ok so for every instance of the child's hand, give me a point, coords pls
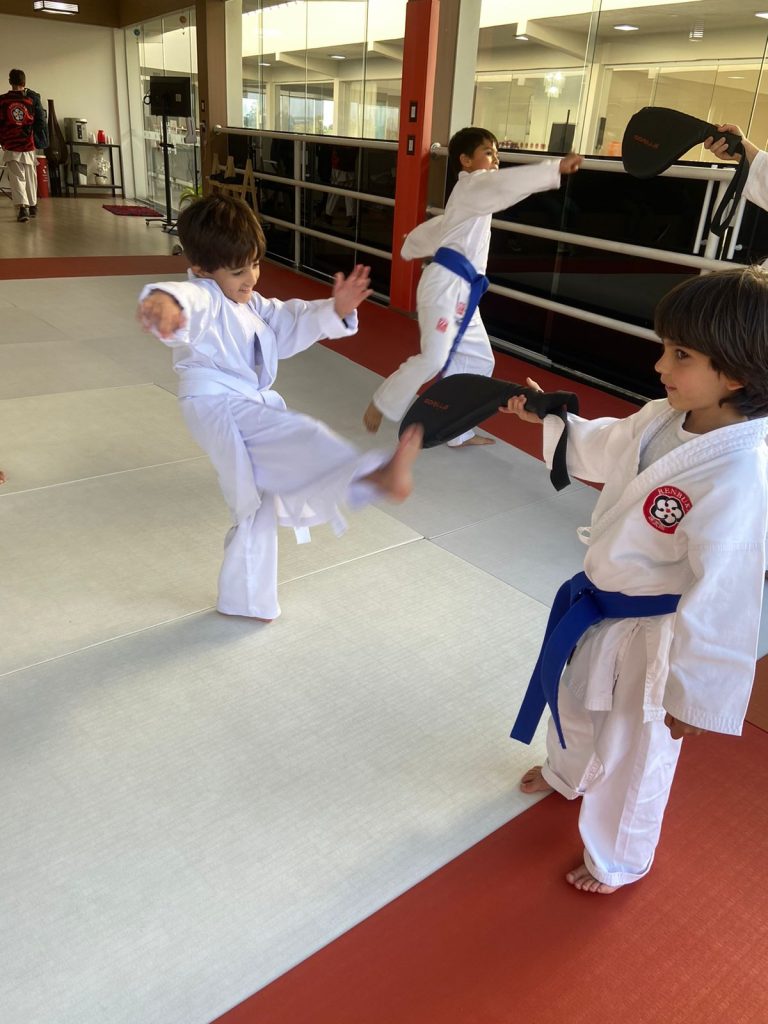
(160, 313)
(349, 292)
(719, 148)
(516, 405)
(571, 163)
(678, 729)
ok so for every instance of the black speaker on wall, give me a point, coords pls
(171, 97)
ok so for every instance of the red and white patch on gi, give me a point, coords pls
(665, 507)
(442, 325)
(461, 308)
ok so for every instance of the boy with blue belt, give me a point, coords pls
(669, 604)
(453, 338)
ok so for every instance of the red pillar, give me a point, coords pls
(419, 61)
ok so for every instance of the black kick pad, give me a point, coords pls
(457, 403)
(655, 137)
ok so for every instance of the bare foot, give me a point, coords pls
(534, 782)
(2, 477)
(395, 478)
(475, 439)
(582, 878)
(372, 418)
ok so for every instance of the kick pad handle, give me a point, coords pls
(554, 403)
(731, 138)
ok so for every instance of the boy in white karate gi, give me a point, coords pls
(445, 297)
(274, 465)
(680, 521)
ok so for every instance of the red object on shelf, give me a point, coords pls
(101, 135)
(43, 181)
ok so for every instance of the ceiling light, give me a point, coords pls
(523, 39)
(336, 56)
(734, 78)
(626, 28)
(55, 7)
(264, 64)
(696, 33)
(553, 84)
(761, 14)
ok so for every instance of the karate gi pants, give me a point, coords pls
(620, 766)
(439, 300)
(22, 177)
(275, 466)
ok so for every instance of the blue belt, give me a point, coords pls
(478, 285)
(578, 605)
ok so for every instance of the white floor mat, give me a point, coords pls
(52, 439)
(100, 558)
(222, 799)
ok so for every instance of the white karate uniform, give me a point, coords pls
(441, 299)
(756, 187)
(274, 465)
(21, 169)
(692, 523)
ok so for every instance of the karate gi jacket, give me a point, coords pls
(692, 523)
(465, 226)
(227, 348)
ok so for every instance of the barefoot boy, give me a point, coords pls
(452, 336)
(274, 465)
(668, 606)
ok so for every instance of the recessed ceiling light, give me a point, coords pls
(696, 33)
(626, 28)
(336, 56)
(761, 14)
(264, 64)
(735, 78)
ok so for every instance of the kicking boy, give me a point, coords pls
(274, 465)
(668, 606)
(453, 338)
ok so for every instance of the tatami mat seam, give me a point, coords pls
(102, 476)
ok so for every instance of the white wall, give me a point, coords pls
(74, 65)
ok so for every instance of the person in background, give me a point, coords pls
(22, 124)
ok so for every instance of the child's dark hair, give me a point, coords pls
(465, 142)
(220, 231)
(724, 315)
(16, 78)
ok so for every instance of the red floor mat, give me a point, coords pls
(132, 211)
(90, 266)
(498, 937)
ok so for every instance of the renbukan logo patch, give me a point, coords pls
(665, 507)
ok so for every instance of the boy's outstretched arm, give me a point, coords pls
(161, 314)
(349, 292)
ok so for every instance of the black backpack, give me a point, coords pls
(40, 126)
